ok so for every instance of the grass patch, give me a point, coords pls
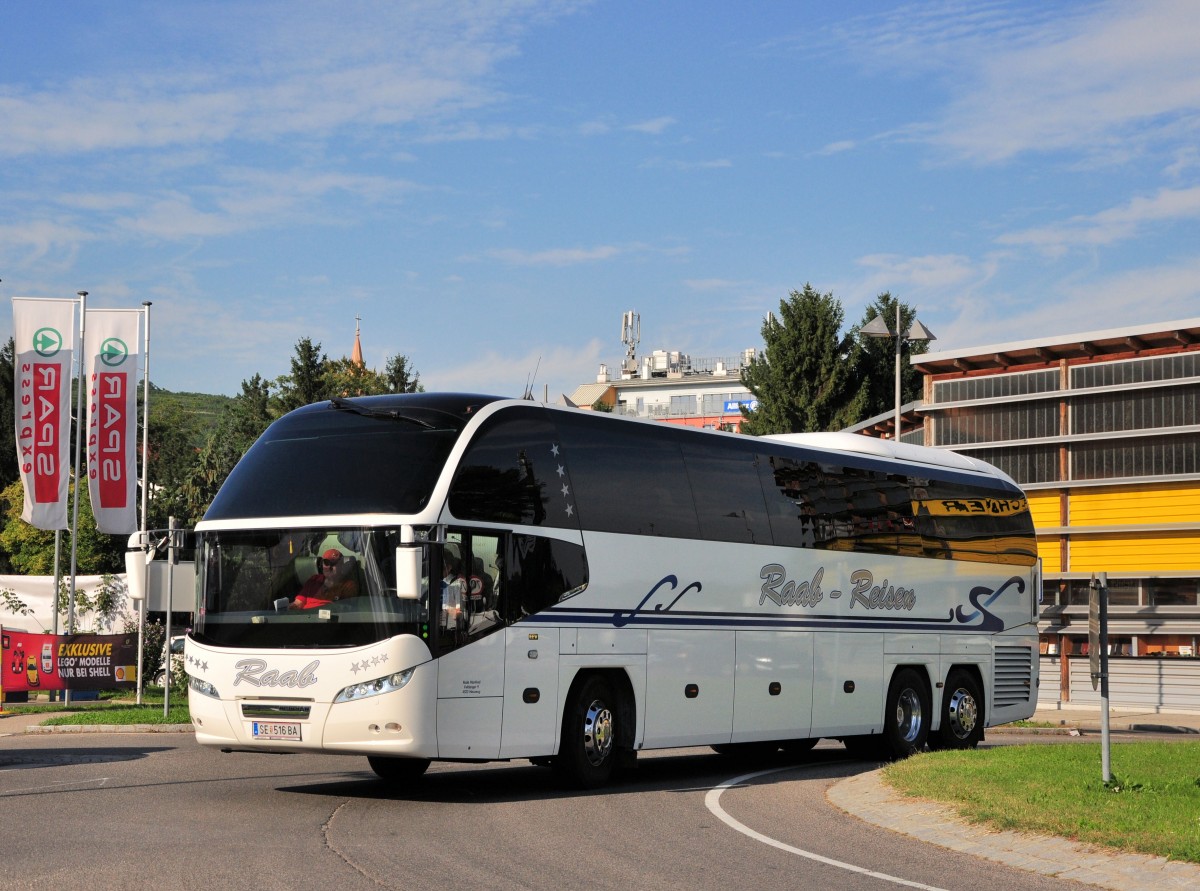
(1152, 805)
(122, 714)
(120, 708)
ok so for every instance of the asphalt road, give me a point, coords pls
(157, 811)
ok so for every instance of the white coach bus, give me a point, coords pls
(467, 578)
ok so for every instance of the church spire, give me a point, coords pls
(356, 357)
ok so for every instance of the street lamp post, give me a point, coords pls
(877, 327)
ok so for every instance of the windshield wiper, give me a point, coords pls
(346, 405)
(391, 414)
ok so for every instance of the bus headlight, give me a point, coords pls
(387, 684)
(203, 687)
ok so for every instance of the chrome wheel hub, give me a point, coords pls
(597, 733)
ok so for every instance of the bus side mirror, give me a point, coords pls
(408, 572)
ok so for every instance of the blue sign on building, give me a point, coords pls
(733, 406)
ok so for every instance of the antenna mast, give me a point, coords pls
(631, 333)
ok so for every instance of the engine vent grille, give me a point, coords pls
(1013, 682)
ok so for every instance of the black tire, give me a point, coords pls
(398, 770)
(962, 713)
(587, 753)
(907, 714)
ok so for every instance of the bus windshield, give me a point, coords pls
(307, 587)
(376, 454)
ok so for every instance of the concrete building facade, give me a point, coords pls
(673, 387)
(1102, 430)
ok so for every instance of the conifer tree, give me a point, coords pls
(803, 379)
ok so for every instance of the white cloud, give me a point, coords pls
(654, 126)
(288, 73)
(1152, 294)
(555, 256)
(1111, 225)
(711, 284)
(560, 369)
(895, 273)
(685, 166)
(1106, 79)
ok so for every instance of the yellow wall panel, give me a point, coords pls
(1043, 507)
(1125, 505)
(1050, 552)
(1147, 554)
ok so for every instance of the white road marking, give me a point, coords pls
(713, 802)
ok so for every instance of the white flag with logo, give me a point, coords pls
(112, 371)
(43, 349)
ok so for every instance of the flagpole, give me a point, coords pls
(80, 421)
(145, 484)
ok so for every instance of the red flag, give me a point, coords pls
(44, 343)
(112, 369)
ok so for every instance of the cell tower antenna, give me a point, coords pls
(631, 333)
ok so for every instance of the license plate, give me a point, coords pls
(276, 730)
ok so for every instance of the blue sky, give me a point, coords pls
(490, 185)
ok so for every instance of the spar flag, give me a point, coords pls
(44, 344)
(112, 369)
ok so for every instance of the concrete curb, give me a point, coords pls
(867, 797)
(112, 728)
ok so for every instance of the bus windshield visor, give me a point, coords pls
(286, 588)
(324, 461)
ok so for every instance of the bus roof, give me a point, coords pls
(885, 448)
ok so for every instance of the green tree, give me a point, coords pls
(401, 376)
(172, 452)
(243, 421)
(803, 379)
(9, 470)
(31, 550)
(345, 377)
(875, 360)
(308, 381)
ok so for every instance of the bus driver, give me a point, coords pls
(334, 580)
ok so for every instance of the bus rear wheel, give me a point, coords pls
(962, 713)
(907, 714)
(398, 770)
(587, 753)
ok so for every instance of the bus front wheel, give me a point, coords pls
(587, 752)
(962, 713)
(907, 714)
(397, 770)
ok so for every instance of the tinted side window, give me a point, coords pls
(514, 472)
(880, 515)
(814, 504)
(538, 573)
(728, 497)
(793, 493)
(966, 523)
(628, 477)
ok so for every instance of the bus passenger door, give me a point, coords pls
(471, 648)
(530, 692)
